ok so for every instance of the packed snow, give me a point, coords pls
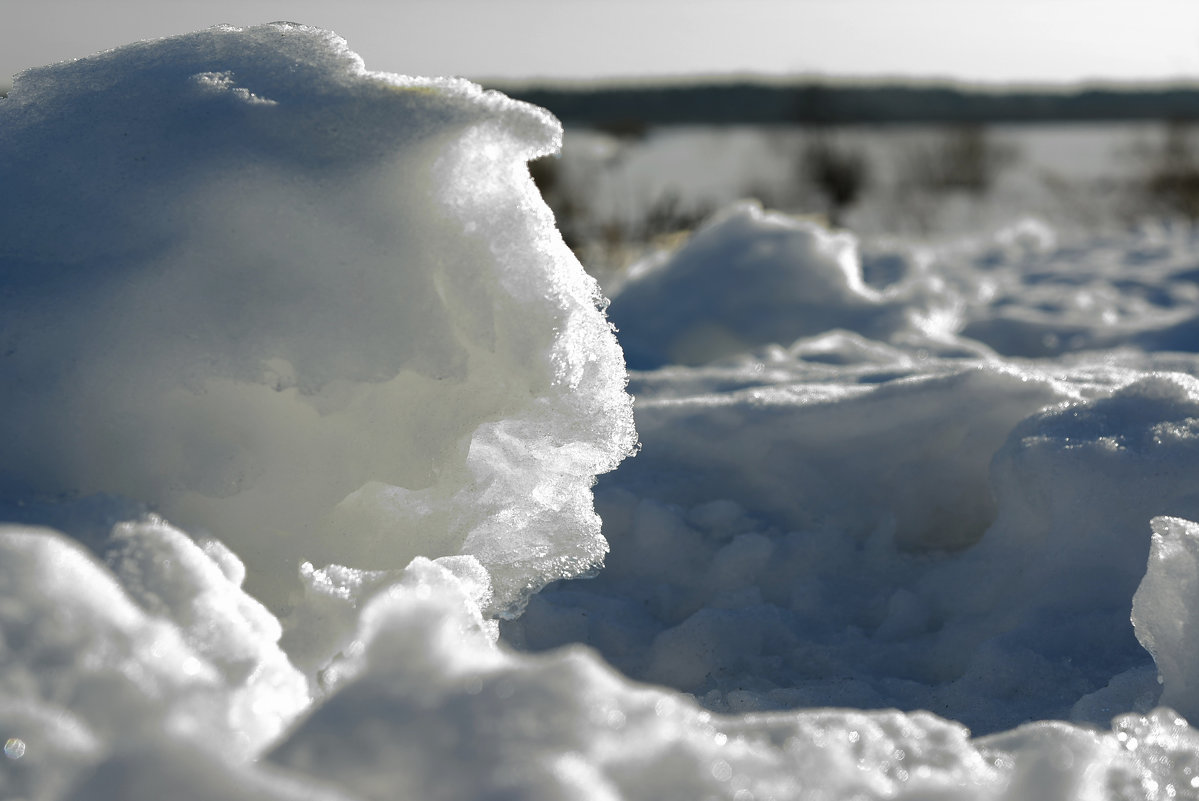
(310, 419)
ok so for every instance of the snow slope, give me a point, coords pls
(303, 402)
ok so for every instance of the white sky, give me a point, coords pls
(974, 40)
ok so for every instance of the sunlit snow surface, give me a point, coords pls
(302, 393)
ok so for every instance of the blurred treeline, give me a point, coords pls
(844, 103)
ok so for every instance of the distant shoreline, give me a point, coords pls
(627, 106)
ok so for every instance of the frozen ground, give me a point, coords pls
(304, 399)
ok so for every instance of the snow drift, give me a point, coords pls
(316, 312)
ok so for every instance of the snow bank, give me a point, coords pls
(693, 306)
(302, 394)
(319, 313)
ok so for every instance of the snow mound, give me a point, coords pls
(315, 312)
(748, 278)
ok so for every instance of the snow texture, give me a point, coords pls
(303, 401)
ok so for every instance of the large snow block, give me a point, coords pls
(317, 312)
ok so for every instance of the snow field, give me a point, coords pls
(304, 400)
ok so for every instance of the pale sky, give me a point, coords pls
(1039, 41)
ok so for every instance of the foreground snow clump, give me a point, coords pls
(319, 313)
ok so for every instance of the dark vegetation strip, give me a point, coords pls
(752, 103)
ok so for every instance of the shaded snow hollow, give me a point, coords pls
(303, 393)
